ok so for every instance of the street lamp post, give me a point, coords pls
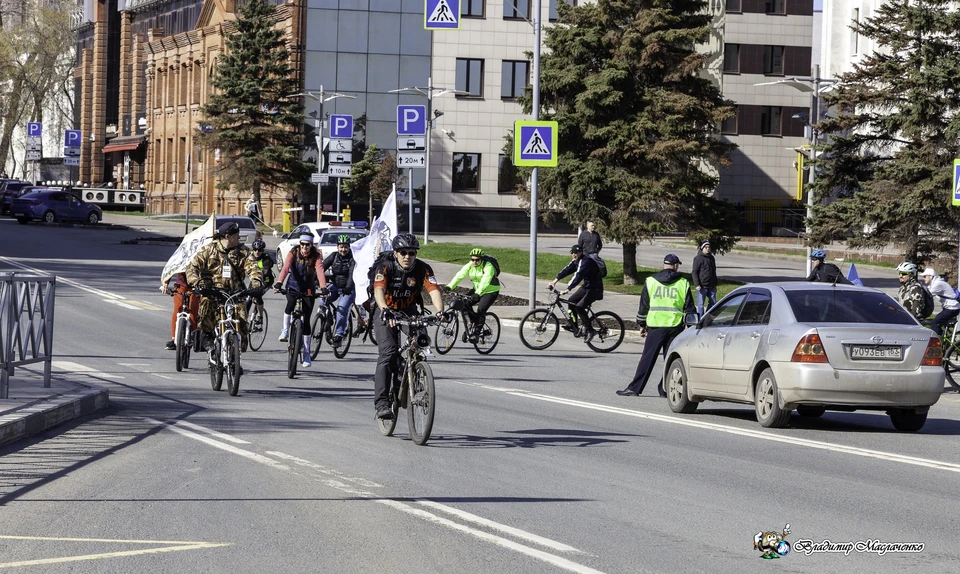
(321, 98)
(813, 86)
(428, 93)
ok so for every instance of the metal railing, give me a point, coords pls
(26, 324)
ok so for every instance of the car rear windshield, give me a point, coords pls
(842, 306)
(331, 237)
(242, 222)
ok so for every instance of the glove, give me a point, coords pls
(324, 291)
(386, 315)
(473, 298)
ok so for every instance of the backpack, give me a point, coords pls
(927, 303)
(382, 258)
(492, 261)
(600, 264)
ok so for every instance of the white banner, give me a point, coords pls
(189, 247)
(382, 232)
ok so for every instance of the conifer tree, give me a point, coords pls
(885, 170)
(252, 117)
(638, 122)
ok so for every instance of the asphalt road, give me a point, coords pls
(534, 465)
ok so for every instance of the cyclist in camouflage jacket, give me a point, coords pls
(911, 290)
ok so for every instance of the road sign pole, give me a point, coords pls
(410, 199)
(338, 199)
(537, 9)
(426, 185)
(186, 219)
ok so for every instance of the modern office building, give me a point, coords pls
(842, 47)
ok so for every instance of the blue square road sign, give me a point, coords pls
(535, 143)
(411, 120)
(72, 138)
(34, 129)
(441, 14)
(956, 182)
(341, 127)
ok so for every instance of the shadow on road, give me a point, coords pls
(533, 438)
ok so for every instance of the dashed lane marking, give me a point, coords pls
(62, 279)
(168, 546)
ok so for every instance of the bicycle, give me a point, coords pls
(225, 347)
(412, 385)
(324, 327)
(295, 335)
(257, 323)
(184, 337)
(457, 310)
(363, 328)
(950, 343)
(541, 327)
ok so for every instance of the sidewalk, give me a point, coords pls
(32, 409)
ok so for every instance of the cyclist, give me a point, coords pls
(586, 270)
(178, 286)
(911, 291)
(265, 263)
(341, 265)
(396, 284)
(486, 289)
(948, 299)
(225, 264)
(305, 269)
(824, 272)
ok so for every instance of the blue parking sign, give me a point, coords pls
(341, 127)
(72, 138)
(441, 15)
(535, 143)
(411, 120)
(956, 182)
(34, 129)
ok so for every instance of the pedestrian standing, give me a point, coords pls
(705, 277)
(589, 240)
(664, 299)
(253, 210)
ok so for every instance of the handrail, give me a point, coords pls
(27, 302)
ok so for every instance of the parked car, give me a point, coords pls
(812, 347)
(324, 234)
(248, 228)
(9, 190)
(54, 205)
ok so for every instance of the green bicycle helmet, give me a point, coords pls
(343, 238)
(476, 252)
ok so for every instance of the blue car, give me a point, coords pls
(54, 205)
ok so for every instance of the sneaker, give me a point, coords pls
(283, 336)
(568, 327)
(170, 346)
(384, 412)
(337, 339)
(590, 335)
(306, 359)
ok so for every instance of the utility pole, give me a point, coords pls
(534, 179)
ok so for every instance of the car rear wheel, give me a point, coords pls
(767, 402)
(677, 389)
(49, 217)
(93, 219)
(812, 411)
(907, 420)
(23, 220)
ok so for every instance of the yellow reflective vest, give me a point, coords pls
(666, 302)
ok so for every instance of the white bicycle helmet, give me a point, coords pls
(907, 268)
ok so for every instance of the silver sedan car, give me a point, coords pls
(809, 347)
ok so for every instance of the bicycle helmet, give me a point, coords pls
(907, 268)
(476, 252)
(405, 241)
(818, 254)
(343, 238)
(259, 245)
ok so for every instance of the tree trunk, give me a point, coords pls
(629, 263)
(11, 117)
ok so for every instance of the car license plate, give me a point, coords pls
(882, 353)
(19, 214)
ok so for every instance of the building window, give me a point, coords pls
(731, 58)
(734, 6)
(554, 14)
(516, 9)
(472, 8)
(466, 172)
(470, 76)
(513, 77)
(770, 120)
(773, 60)
(506, 175)
(854, 36)
(729, 125)
(775, 6)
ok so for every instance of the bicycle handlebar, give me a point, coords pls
(217, 293)
(421, 321)
(284, 291)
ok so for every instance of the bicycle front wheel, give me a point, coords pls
(539, 329)
(258, 328)
(609, 332)
(293, 347)
(216, 368)
(320, 326)
(188, 348)
(422, 403)
(446, 334)
(340, 351)
(489, 336)
(182, 328)
(951, 365)
(232, 367)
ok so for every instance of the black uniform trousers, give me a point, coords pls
(658, 342)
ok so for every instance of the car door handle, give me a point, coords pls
(721, 335)
(755, 334)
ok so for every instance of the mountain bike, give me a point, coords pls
(184, 337)
(295, 336)
(225, 348)
(257, 323)
(457, 310)
(541, 327)
(950, 343)
(363, 327)
(324, 328)
(412, 385)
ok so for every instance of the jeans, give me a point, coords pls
(943, 319)
(710, 294)
(344, 304)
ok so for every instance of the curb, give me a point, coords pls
(37, 417)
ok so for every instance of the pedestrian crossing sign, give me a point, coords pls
(441, 15)
(956, 182)
(535, 143)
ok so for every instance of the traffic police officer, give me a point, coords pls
(665, 297)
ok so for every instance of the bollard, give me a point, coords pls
(286, 218)
(346, 214)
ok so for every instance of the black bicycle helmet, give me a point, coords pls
(342, 239)
(405, 241)
(259, 245)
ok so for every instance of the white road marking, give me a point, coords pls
(172, 546)
(222, 446)
(77, 368)
(833, 447)
(134, 364)
(62, 279)
(211, 432)
(324, 470)
(122, 304)
(163, 376)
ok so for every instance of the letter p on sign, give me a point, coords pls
(411, 120)
(341, 127)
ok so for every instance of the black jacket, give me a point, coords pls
(827, 273)
(704, 270)
(341, 270)
(589, 242)
(583, 269)
(666, 277)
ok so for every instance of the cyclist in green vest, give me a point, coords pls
(265, 263)
(665, 297)
(486, 289)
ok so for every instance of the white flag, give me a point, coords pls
(191, 244)
(382, 231)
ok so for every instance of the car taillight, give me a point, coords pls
(934, 355)
(809, 350)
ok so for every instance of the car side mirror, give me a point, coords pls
(285, 236)
(691, 320)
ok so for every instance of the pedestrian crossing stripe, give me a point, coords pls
(441, 14)
(535, 145)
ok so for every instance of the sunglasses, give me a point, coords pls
(405, 253)
(306, 244)
(474, 259)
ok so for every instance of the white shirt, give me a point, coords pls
(943, 291)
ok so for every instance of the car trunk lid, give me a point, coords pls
(874, 347)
